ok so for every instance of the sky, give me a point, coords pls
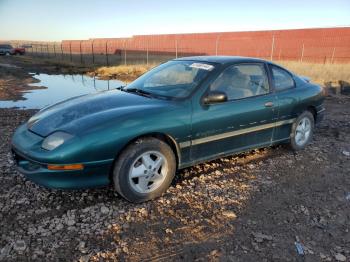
(82, 19)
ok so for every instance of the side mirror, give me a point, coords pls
(214, 97)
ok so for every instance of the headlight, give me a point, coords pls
(55, 140)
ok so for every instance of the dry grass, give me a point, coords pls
(123, 72)
(319, 73)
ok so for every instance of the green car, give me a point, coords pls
(181, 113)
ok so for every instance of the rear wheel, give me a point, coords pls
(144, 170)
(302, 131)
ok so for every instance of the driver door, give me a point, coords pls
(244, 121)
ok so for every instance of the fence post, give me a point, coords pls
(107, 54)
(217, 45)
(47, 48)
(147, 55)
(92, 52)
(70, 51)
(332, 59)
(61, 52)
(176, 48)
(124, 52)
(302, 54)
(272, 47)
(54, 48)
(41, 49)
(81, 55)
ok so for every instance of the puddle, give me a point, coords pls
(58, 88)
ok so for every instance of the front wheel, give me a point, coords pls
(144, 170)
(302, 131)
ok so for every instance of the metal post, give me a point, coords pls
(61, 51)
(176, 48)
(41, 49)
(54, 48)
(47, 47)
(81, 56)
(107, 54)
(302, 54)
(70, 51)
(332, 59)
(92, 52)
(147, 54)
(217, 45)
(272, 47)
(124, 52)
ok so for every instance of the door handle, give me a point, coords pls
(269, 104)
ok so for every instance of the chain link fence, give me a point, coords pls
(160, 48)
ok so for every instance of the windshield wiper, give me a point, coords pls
(139, 92)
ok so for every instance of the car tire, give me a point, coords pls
(7, 53)
(144, 170)
(302, 131)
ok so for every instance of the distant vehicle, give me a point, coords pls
(20, 50)
(7, 50)
(10, 50)
(181, 113)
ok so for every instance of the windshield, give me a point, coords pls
(174, 79)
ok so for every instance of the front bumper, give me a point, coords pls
(31, 161)
(94, 174)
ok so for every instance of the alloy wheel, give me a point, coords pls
(148, 172)
(303, 131)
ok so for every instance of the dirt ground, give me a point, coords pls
(264, 205)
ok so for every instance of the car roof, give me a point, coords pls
(221, 59)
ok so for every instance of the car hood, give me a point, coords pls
(78, 114)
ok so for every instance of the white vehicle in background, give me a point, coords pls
(6, 50)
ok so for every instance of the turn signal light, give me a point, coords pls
(66, 167)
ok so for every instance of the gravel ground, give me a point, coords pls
(254, 206)
(266, 205)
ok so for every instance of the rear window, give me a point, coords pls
(282, 79)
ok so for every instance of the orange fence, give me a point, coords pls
(322, 45)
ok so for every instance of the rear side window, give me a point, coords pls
(241, 81)
(282, 79)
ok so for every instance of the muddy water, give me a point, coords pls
(58, 88)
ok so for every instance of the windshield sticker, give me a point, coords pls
(202, 66)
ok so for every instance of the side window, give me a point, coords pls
(282, 79)
(241, 81)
